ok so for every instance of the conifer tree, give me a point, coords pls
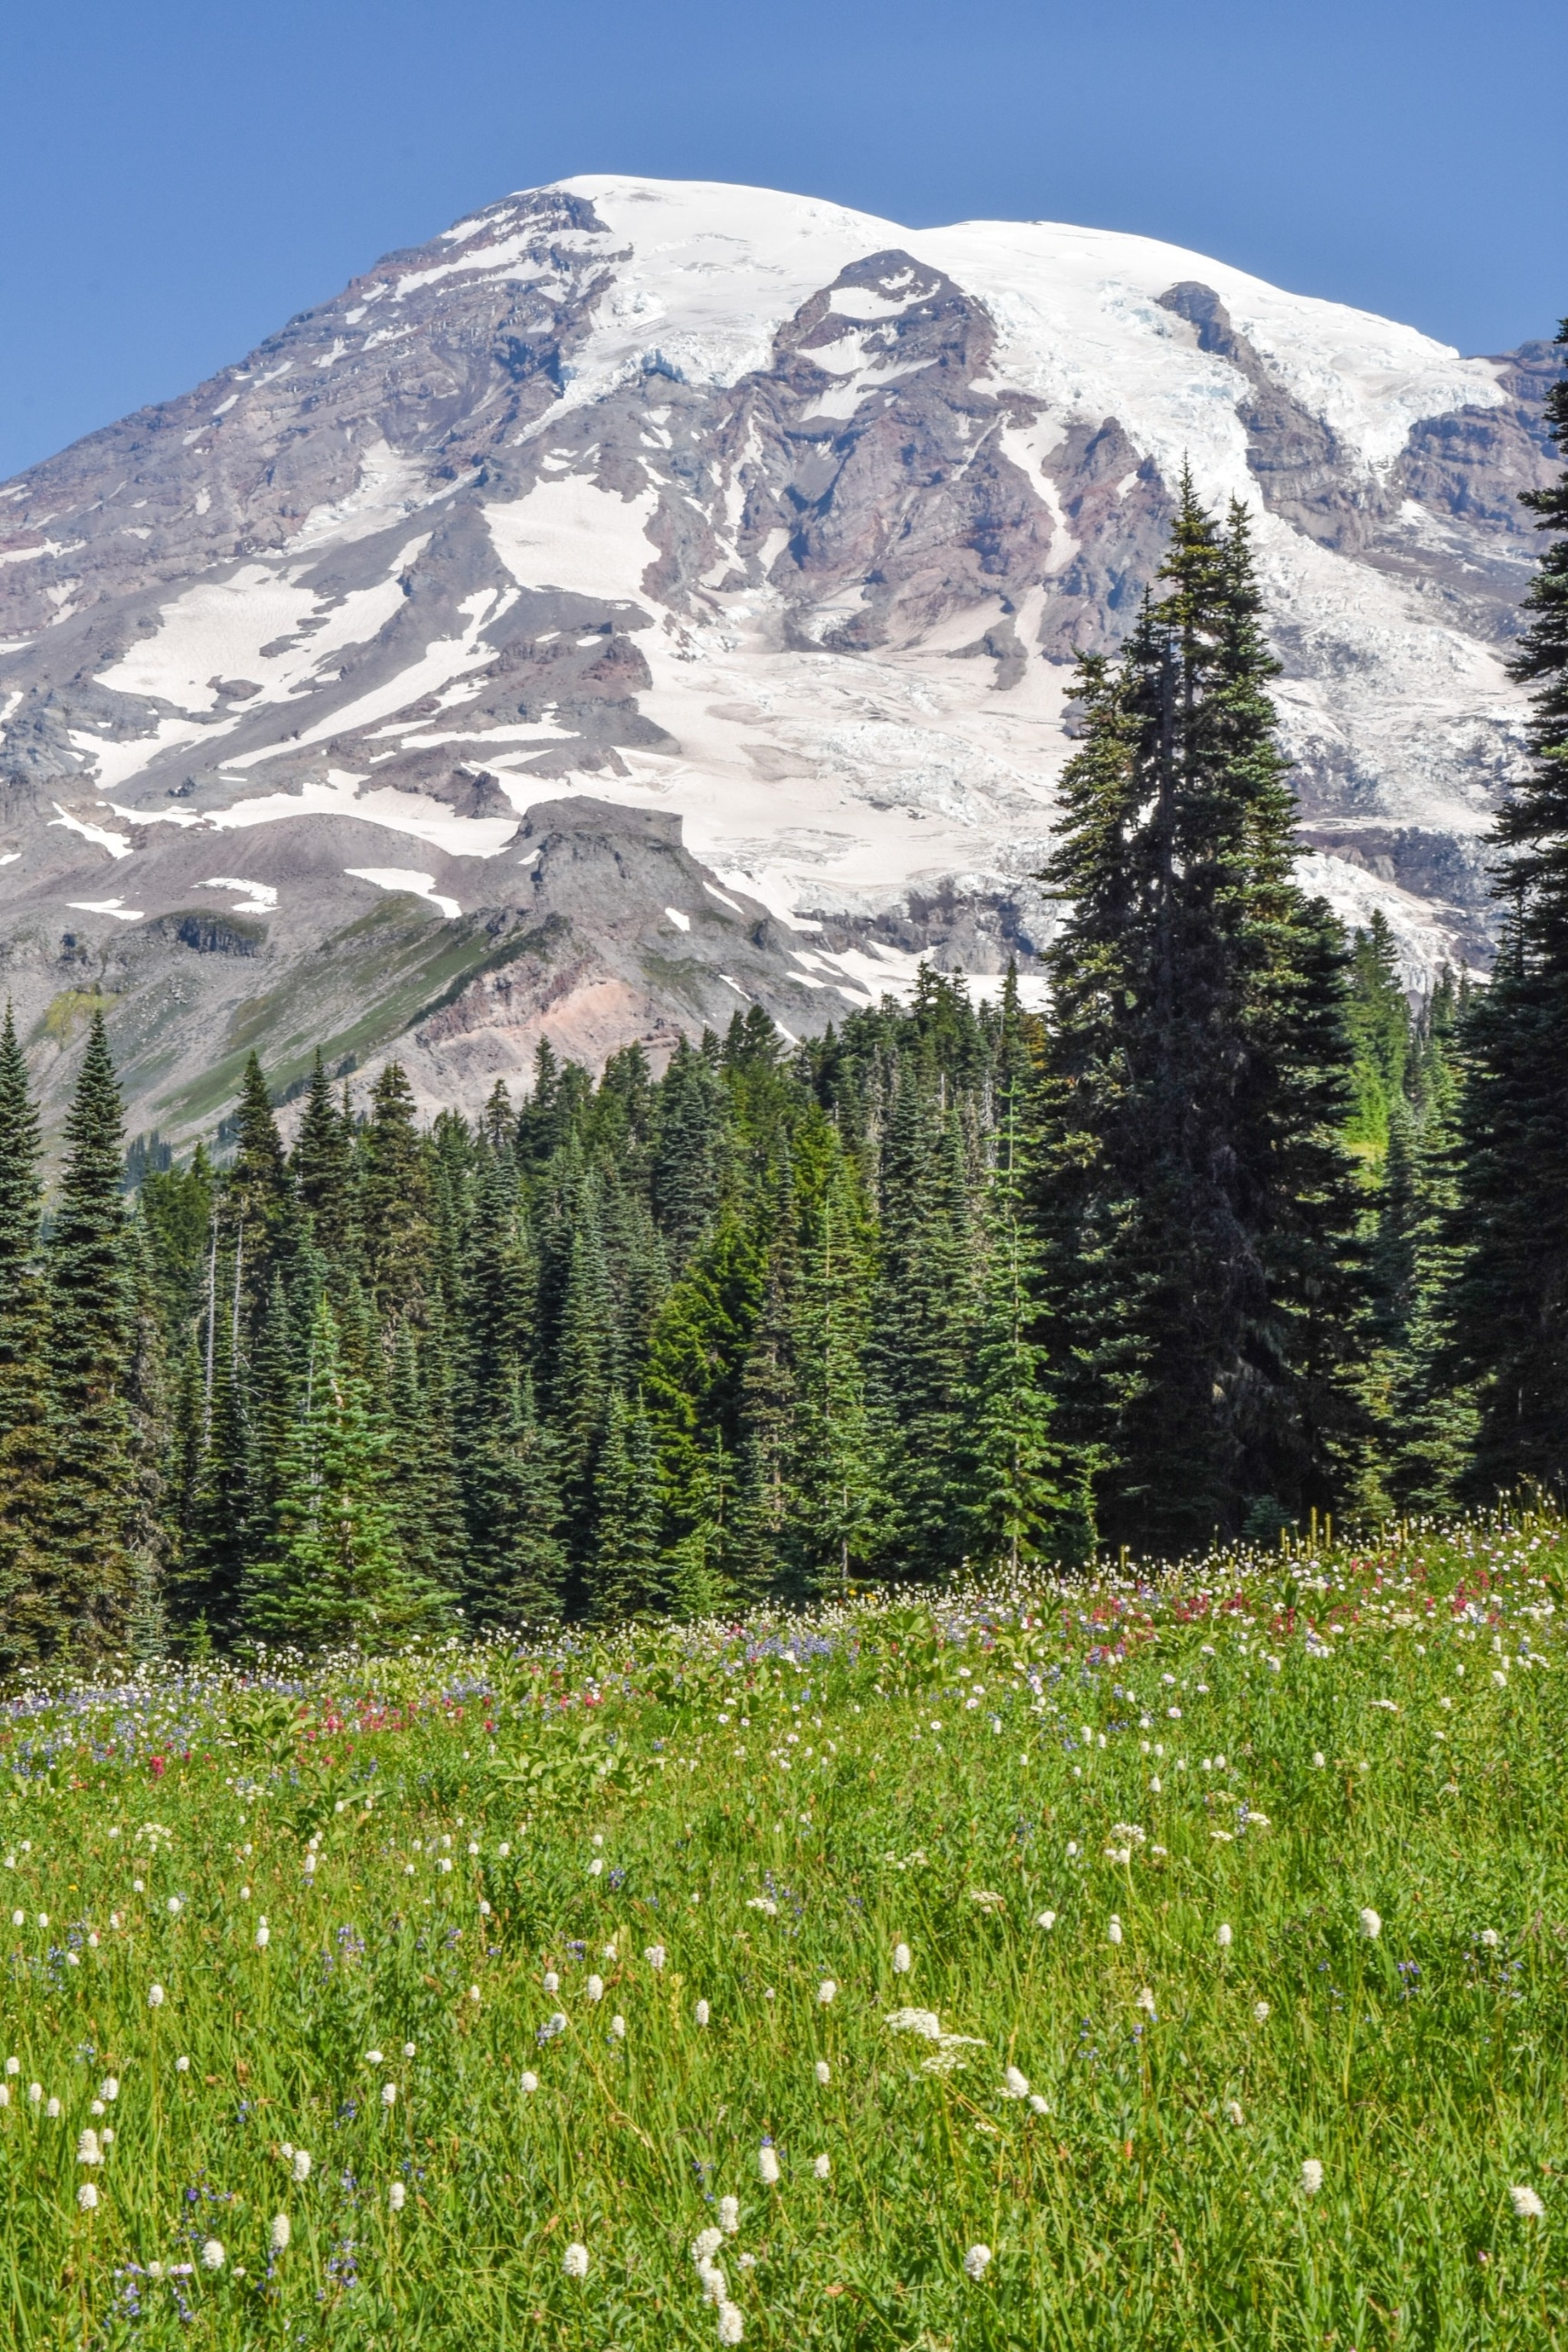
(686, 1170)
(1510, 1299)
(221, 1528)
(517, 1561)
(322, 1169)
(831, 1484)
(1020, 1503)
(259, 1196)
(335, 1573)
(1377, 1015)
(395, 1202)
(33, 1626)
(920, 1333)
(1197, 1079)
(626, 1577)
(90, 1345)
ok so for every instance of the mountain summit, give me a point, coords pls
(654, 597)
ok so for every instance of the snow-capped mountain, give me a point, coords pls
(652, 597)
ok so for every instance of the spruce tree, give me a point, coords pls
(322, 1168)
(335, 1573)
(33, 1622)
(517, 1561)
(259, 1195)
(90, 1349)
(1020, 1505)
(1510, 1299)
(626, 1577)
(831, 1493)
(918, 1338)
(395, 1202)
(1192, 1180)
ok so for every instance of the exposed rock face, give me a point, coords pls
(705, 506)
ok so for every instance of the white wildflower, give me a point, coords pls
(705, 2245)
(824, 2073)
(54, 2110)
(1114, 1929)
(923, 2021)
(408, 2049)
(595, 1988)
(575, 2261)
(88, 2150)
(301, 2164)
(1527, 2205)
(1371, 1926)
(1311, 2175)
(398, 2196)
(977, 2262)
(530, 2081)
(1260, 2011)
(618, 2028)
(826, 1993)
(1014, 2085)
(1047, 1919)
(903, 1959)
(86, 2196)
(389, 2094)
(552, 1981)
(182, 2066)
(767, 2166)
(731, 2325)
(279, 2234)
(155, 1996)
(213, 2256)
(1226, 1936)
(729, 2215)
(263, 1934)
(703, 2012)
(1490, 1938)
(655, 1956)
(1233, 2111)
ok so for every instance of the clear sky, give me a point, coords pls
(177, 179)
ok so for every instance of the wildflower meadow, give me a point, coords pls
(1165, 1959)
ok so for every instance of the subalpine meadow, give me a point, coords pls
(1167, 1958)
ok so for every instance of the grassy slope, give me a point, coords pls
(1423, 2070)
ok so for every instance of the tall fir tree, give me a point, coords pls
(34, 1625)
(517, 1561)
(1205, 1215)
(322, 1169)
(1509, 1302)
(335, 1573)
(1021, 1503)
(90, 1347)
(626, 1577)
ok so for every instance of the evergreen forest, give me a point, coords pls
(1232, 1234)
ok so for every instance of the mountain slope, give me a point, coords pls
(723, 507)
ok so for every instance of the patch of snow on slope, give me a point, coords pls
(443, 659)
(410, 812)
(571, 535)
(217, 630)
(406, 877)
(115, 842)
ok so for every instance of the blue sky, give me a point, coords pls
(178, 179)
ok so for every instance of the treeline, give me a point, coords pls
(1229, 1235)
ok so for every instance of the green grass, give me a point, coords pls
(1147, 2188)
